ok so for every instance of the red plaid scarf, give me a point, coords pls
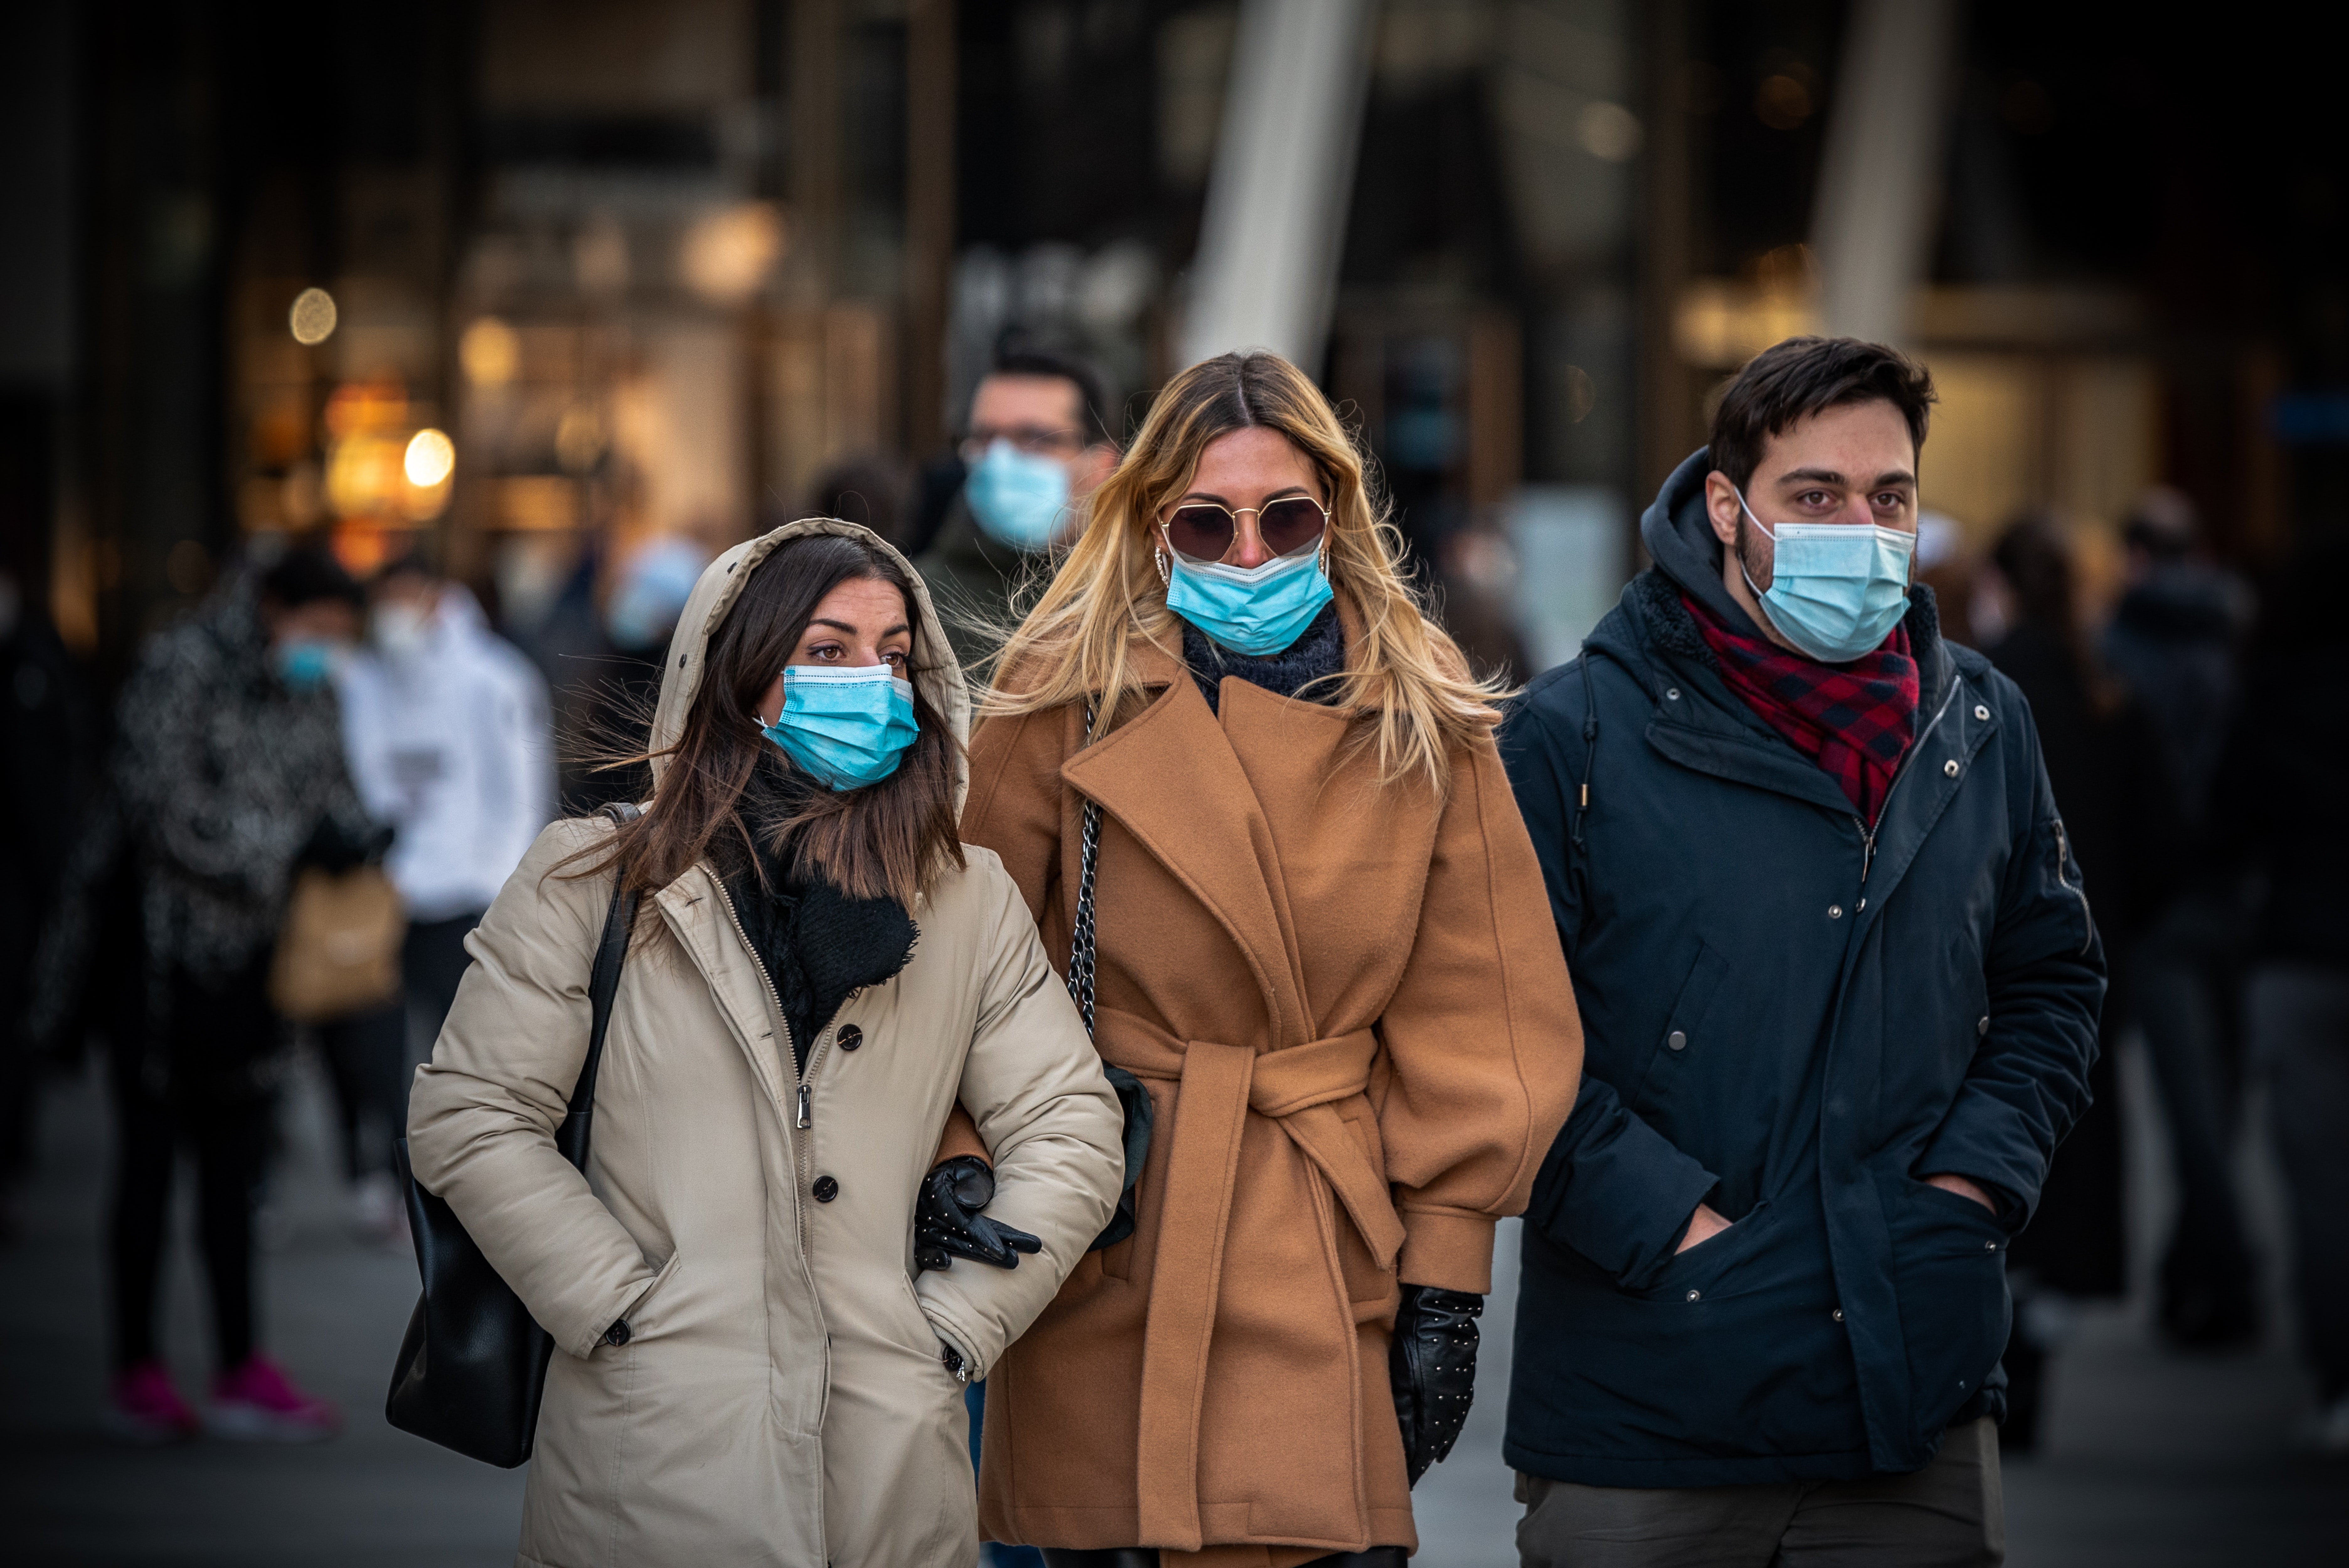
(1855, 720)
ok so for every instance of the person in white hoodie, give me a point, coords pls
(449, 738)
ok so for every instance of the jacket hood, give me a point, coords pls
(935, 675)
(1679, 535)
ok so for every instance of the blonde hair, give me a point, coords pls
(1076, 645)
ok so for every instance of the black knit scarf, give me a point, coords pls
(1320, 650)
(819, 946)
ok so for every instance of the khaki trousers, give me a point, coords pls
(1951, 1515)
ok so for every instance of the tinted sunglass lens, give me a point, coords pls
(1202, 532)
(1290, 525)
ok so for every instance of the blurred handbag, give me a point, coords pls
(1133, 1098)
(339, 951)
(472, 1364)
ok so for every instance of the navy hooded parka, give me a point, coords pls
(1794, 1021)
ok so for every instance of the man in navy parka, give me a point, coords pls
(1839, 983)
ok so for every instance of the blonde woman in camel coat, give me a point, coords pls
(1325, 948)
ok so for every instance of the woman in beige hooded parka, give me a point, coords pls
(749, 1370)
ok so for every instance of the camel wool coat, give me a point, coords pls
(1349, 1005)
(780, 1400)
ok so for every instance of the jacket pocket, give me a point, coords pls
(1715, 1267)
(1683, 1032)
(1949, 1274)
(647, 1314)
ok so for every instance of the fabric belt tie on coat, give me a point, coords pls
(1298, 1087)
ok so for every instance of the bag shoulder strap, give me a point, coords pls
(1081, 947)
(603, 986)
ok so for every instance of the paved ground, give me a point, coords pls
(2151, 1461)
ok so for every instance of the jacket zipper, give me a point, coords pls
(1867, 830)
(805, 1117)
(2063, 853)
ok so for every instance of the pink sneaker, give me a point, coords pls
(257, 1403)
(143, 1407)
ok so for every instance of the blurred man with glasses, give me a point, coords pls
(1036, 446)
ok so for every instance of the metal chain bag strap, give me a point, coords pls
(474, 1364)
(1132, 1098)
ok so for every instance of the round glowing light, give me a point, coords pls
(1782, 102)
(312, 319)
(1609, 131)
(490, 352)
(431, 459)
(727, 254)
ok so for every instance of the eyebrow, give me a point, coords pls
(851, 631)
(1283, 494)
(1829, 477)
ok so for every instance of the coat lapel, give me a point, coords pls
(1169, 776)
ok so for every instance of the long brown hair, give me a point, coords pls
(1406, 673)
(892, 837)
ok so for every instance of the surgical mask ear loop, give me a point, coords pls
(1752, 587)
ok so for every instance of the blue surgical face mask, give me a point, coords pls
(1836, 589)
(847, 728)
(303, 664)
(1254, 610)
(1018, 498)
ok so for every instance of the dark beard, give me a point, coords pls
(1758, 581)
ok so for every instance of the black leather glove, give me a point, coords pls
(1431, 1362)
(947, 1223)
(334, 849)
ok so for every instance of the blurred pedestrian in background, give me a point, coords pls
(1839, 984)
(228, 775)
(610, 688)
(1037, 445)
(870, 488)
(2276, 808)
(45, 744)
(446, 725)
(2174, 642)
(2114, 786)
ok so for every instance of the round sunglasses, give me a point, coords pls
(1205, 531)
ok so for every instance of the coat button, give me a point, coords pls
(1836, 1315)
(850, 1036)
(1674, 693)
(1692, 1295)
(1982, 1026)
(1950, 768)
(619, 1334)
(825, 1189)
(1981, 711)
(1835, 912)
(1677, 1040)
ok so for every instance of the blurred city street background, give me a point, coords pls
(499, 318)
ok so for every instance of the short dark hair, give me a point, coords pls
(307, 575)
(1793, 380)
(1093, 395)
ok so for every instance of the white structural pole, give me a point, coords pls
(1872, 227)
(1284, 170)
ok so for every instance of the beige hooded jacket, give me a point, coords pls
(781, 1398)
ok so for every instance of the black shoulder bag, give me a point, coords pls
(1132, 1098)
(473, 1363)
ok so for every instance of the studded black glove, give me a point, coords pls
(1431, 1362)
(947, 1223)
